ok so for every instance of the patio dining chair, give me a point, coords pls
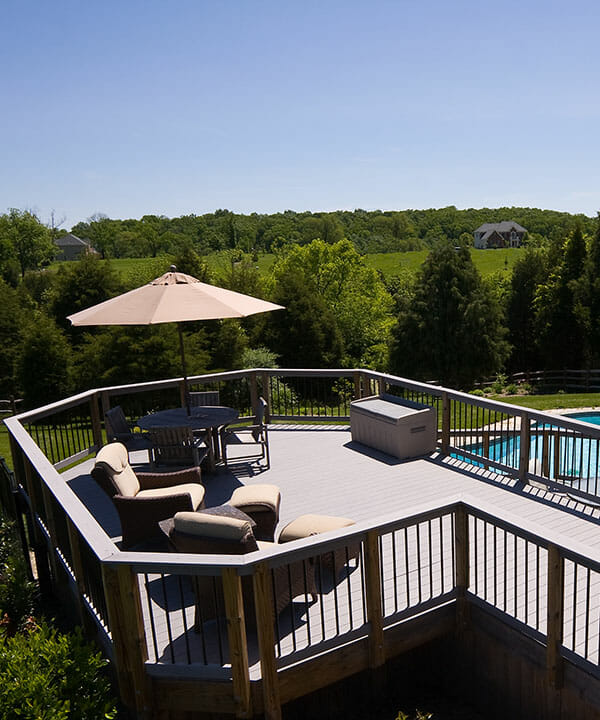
(244, 436)
(178, 446)
(119, 430)
(204, 397)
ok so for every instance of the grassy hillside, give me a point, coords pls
(486, 261)
(140, 270)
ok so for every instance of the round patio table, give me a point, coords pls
(205, 417)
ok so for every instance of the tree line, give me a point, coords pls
(368, 231)
(444, 323)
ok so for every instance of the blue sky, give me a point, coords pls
(175, 107)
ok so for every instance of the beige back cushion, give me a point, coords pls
(114, 460)
(215, 526)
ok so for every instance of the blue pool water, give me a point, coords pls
(590, 417)
(578, 458)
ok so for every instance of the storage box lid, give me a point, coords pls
(388, 407)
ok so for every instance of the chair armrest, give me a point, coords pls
(149, 481)
(140, 516)
(242, 429)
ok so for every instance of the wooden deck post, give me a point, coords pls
(238, 646)
(373, 596)
(253, 390)
(265, 620)
(126, 624)
(52, 531)
(40, 548)
(445, 423)
(555, 616)
(96, 423)
(376, 637)
(266, 393)
(546, 453)
(461, 546)
(77, 567)
(105, 402)
(357, 386)
(486, 447)
(524, 445)
(556, 454)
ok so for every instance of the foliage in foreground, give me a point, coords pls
(18, 594)
(45, 675)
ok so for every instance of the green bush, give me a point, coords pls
(511, 389)
(45, 675)
(499, 382)
(478, 391)
(18, 594)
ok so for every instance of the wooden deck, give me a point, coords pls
(320, 470)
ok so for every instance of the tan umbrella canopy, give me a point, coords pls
(173, 297)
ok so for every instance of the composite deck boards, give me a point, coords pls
(320, 470)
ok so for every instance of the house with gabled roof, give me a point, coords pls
(499, 235)
(70, 247)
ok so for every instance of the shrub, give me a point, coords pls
(18, 594)
(499, 382)
(45, 675)
(478, 391)
(511, 389)
(488, 390)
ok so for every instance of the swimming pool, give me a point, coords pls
(590, 416)
(576, 458)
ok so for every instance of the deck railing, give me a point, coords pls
(375, 575)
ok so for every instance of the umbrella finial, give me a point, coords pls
(173, 268)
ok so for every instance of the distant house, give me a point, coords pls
(499, 235)
(70, 247)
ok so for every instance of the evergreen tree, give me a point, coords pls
(560, 307)
(591, 292)
(452, 330)
(528, 273)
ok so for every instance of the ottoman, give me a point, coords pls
(261, 502)
(307, 525)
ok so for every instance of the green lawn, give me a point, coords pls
(551, 402)
(486, 261)
(136, 271)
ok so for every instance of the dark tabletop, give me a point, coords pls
(201, 418)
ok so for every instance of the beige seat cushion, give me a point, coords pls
(114, 458)
(307, 525)
(194, 490)
(215, 526)
(256, 497)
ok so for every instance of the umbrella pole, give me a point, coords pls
(185, 380)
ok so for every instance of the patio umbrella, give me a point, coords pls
(173, 297)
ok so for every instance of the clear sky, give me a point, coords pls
(185, 106)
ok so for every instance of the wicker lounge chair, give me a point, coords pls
(143, 499)
(227, 530)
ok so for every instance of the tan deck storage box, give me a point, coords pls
(399, 427)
